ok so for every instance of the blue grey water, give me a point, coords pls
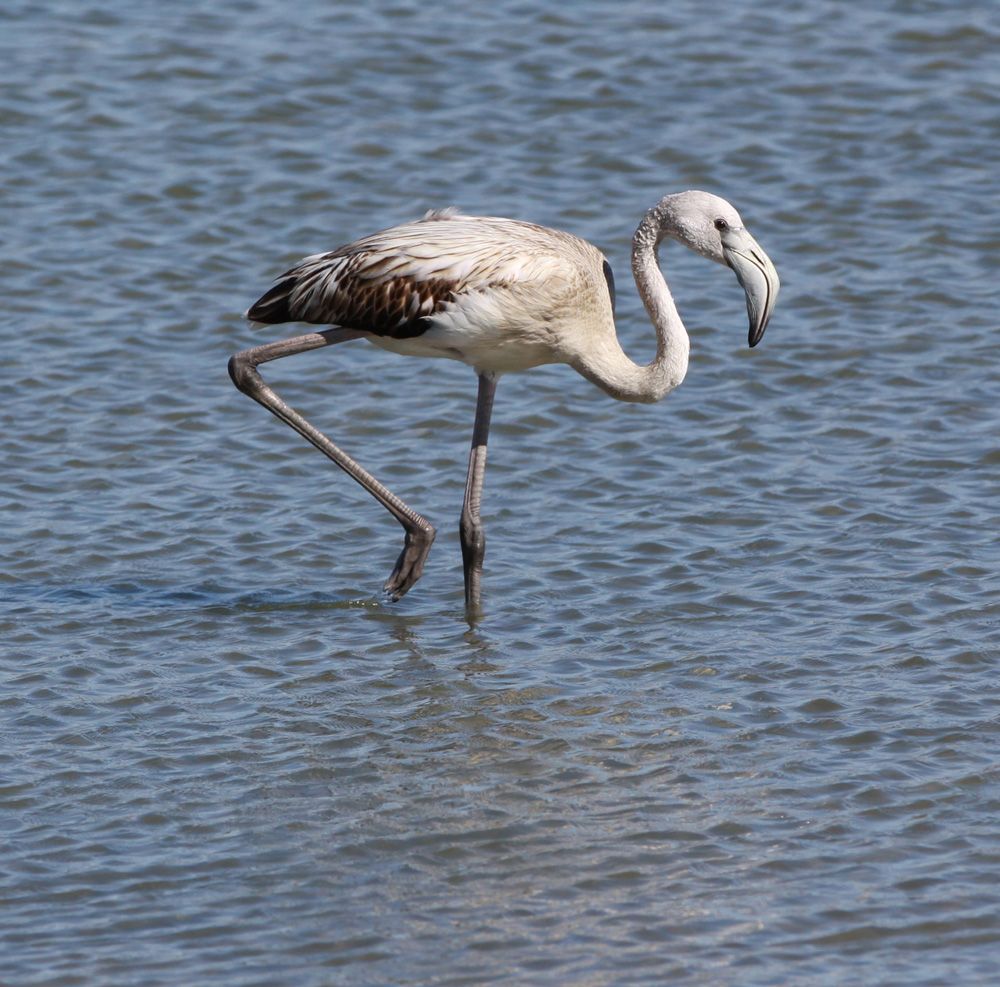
(730, 715)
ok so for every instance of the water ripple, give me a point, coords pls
(727, 717)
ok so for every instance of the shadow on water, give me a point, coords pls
(134, 594)
(406, 631)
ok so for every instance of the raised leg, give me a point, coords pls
(471, 527)
(419, 531)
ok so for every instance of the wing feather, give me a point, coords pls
(394, 282)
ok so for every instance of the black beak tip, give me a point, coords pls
(756, 335)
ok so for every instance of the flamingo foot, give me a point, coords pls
(410, 564)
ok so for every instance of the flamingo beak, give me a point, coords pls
(757, 276)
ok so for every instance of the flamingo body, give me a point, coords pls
(498, 294)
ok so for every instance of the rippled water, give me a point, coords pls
(730, 715)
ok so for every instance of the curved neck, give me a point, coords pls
(610, 368)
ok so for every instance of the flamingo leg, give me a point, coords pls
(471, 526)
(419, 531)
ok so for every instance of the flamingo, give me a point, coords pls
(500, 295)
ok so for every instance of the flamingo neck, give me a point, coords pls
(610, 368)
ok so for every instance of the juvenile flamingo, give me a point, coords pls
(500, 295)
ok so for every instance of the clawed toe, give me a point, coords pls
(410, 564)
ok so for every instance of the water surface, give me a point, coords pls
(729, 717)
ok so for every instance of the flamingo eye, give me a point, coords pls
(721, 224)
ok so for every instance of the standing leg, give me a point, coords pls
(419, 531)
(471, 527)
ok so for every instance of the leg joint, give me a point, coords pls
(473, 537)
(243, 371)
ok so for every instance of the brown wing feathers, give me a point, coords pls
(356, 291)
